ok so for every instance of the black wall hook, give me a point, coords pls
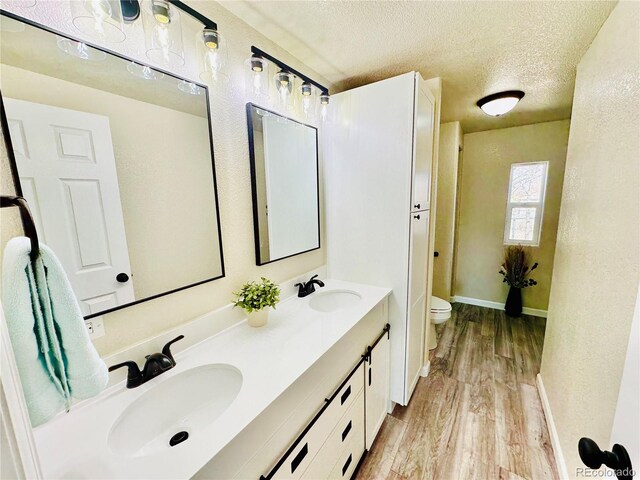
(618, 459)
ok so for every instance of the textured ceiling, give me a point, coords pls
(478, 47)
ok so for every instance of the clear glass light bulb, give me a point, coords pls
(161, 35)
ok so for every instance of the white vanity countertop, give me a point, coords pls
(271, 358)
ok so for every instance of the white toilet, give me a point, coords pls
(440, 313)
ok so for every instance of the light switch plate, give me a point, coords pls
(95, 327)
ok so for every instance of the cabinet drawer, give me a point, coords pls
(351, 425)
(299, 459)
(348, 459)
(345, 397)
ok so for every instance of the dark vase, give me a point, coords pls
(513, 305)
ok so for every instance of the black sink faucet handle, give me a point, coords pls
(166, 350)
(134, 375)
(313, 280)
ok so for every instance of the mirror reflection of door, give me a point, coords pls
(116, 161)
(68, 175)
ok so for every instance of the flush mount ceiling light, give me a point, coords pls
(500, 103)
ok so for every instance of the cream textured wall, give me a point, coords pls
(597, 265)
(135, 324)
(483, 201)
(450, 144)
(161, 233)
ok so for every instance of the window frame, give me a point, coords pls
(539, 206)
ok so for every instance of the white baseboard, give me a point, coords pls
(498, 306)
(553, 433)
(424, 371)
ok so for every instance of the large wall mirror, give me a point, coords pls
(284, 169)
(116, 162)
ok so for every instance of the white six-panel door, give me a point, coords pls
(68, 175)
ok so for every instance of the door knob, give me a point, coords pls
(122, 277)
(618, 459)
(436, 254)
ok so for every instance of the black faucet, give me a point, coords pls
(307, 288)
(156, 364)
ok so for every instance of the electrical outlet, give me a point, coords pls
(95, 327)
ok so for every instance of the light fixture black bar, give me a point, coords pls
(195, 14)
(260, 53)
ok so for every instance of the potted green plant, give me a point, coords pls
(515, 270)
(256, 298)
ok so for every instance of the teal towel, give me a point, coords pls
(55, 357)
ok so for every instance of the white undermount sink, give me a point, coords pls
(186, 402)
(334, 300)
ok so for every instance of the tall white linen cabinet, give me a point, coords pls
(378, 160)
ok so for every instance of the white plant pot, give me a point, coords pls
(258, 318)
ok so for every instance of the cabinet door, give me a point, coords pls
(418, 261)
(422, 146)
(376, 387)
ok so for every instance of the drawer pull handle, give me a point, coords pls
(346, 431)
(346, 465)
(345, 395)
(299, 457)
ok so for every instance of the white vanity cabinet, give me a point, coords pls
(322, 424)
(334, 441)
(378, 155)
(376, 388)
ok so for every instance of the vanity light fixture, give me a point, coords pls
(324, 105)
(161, 11)
(212, 50)
(284, 83)
(284, 86)
(257, 79)
(305, 89)
(163, 33)
(130, 10)
(308, 100)
(80, 50)
(144, 72)
(190, 88)
(100, 20)
(500, 103)
(210, 38)
(256, 63)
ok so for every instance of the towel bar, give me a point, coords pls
(28, 225)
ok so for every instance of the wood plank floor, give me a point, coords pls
(478, 414)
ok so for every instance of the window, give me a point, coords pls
(527, 188)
